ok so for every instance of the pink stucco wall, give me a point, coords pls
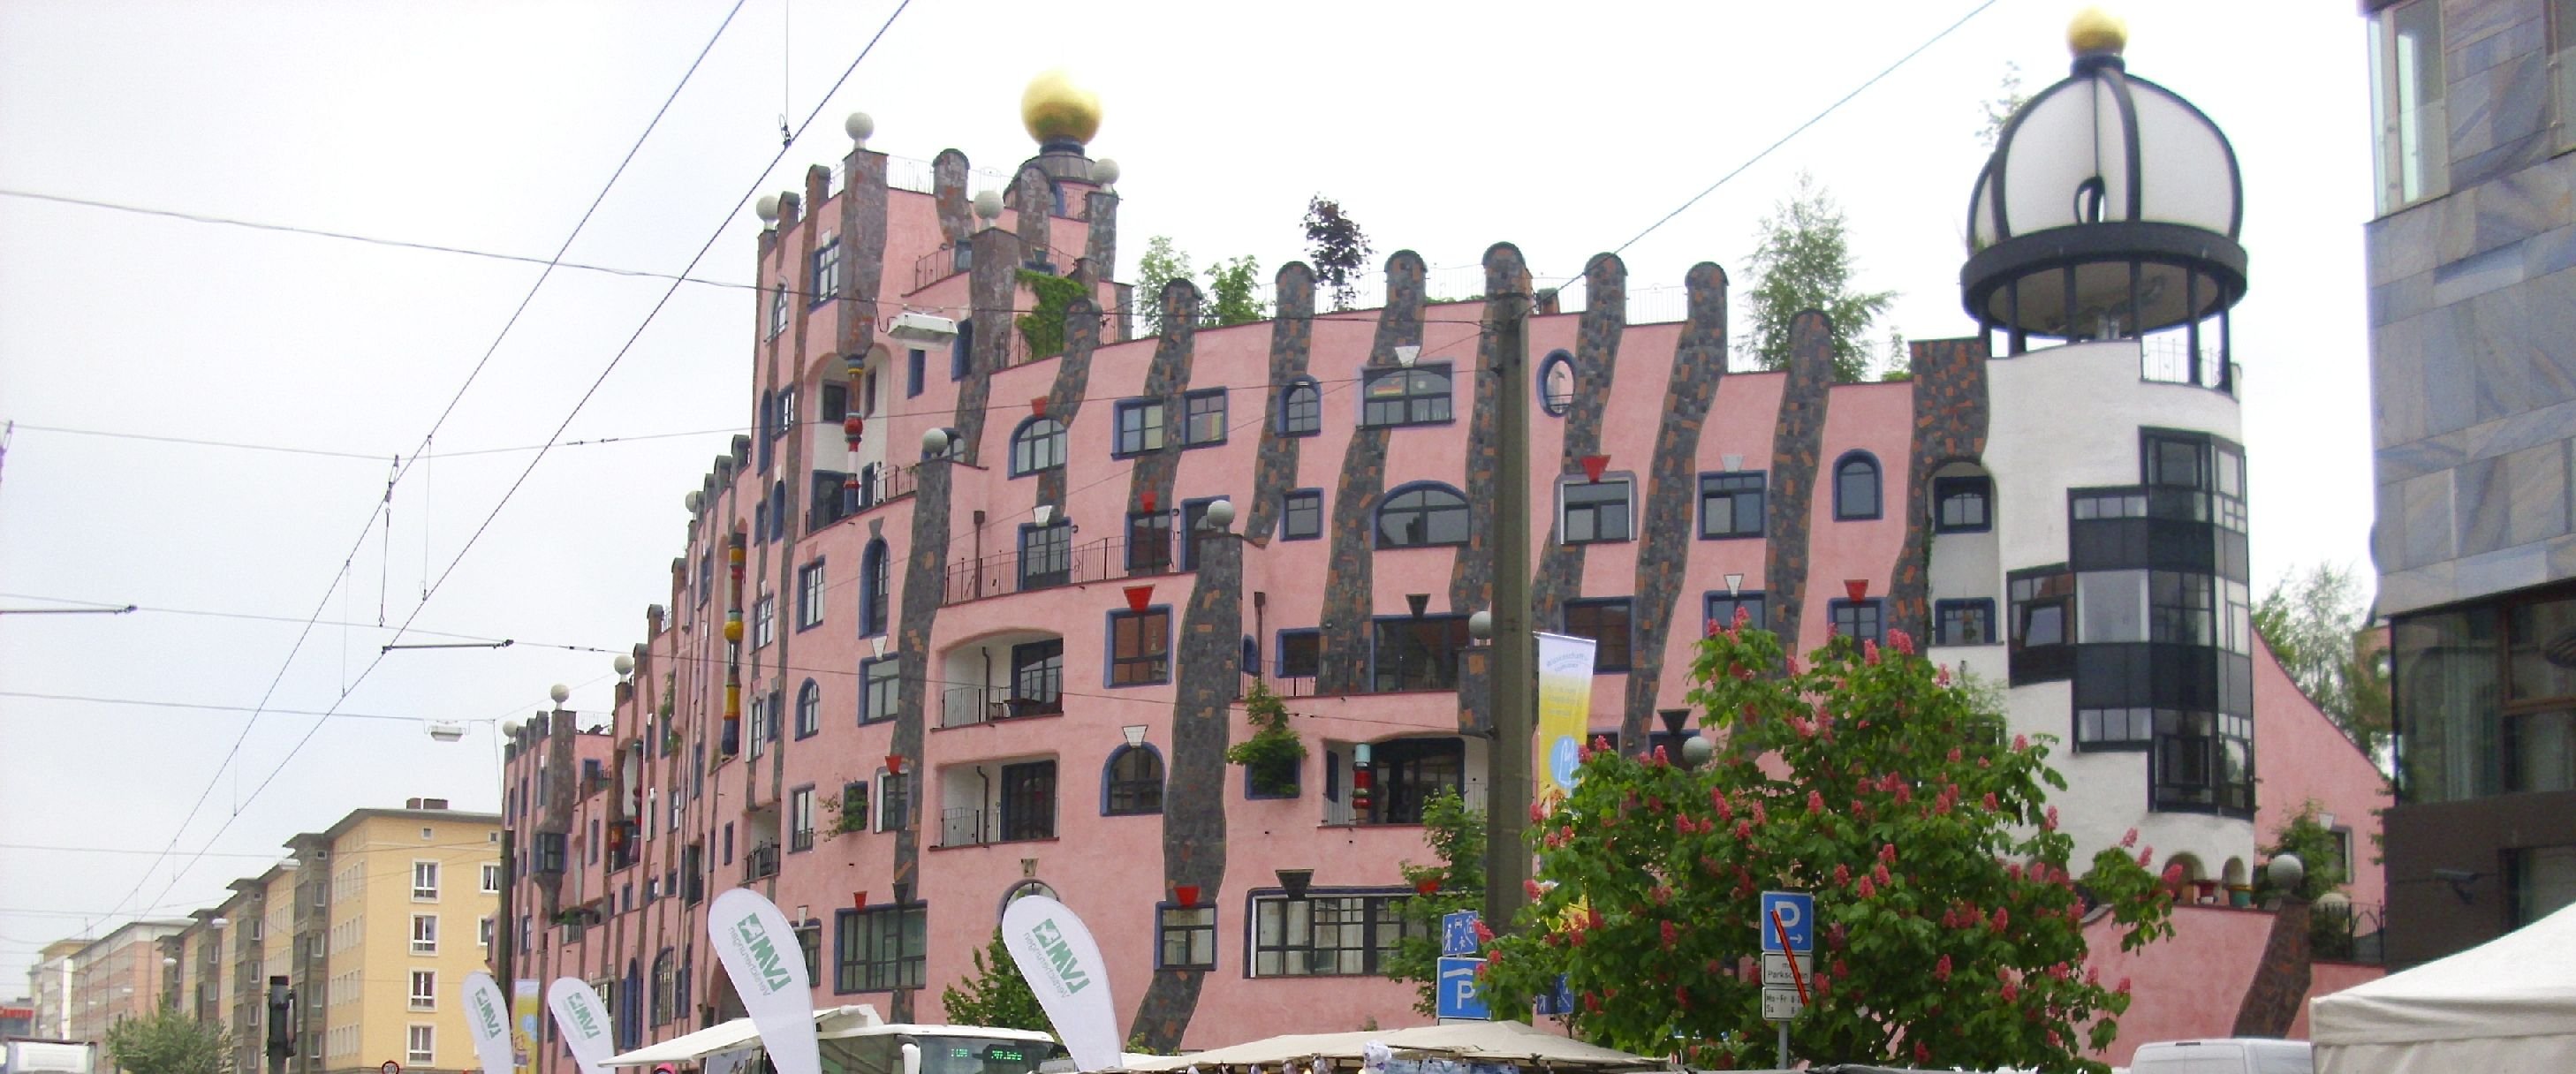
(2304, 757)
(2190, 985)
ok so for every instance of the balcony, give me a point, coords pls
(1002, 801)
(961, 828)
(941, 264)
(967, 706)
(1099, 561)
(760, 863)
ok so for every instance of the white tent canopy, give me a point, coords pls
(2507, 1006)
(1490, 1042)
(740, 1033)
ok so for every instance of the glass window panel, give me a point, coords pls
(2111, 606)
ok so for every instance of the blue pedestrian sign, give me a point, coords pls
(1557, 1001)
(1796, 913)
(1458, 996)
(1458, 933)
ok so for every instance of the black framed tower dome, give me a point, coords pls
(2108, 210)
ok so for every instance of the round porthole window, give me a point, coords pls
(1556, 383)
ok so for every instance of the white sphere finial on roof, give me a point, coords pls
(766, 208)
(559, 693)
(988, 205)
(1104, 172)
(859, 126)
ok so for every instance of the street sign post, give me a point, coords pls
(1788, 954)
(1781, 1005)
(1776, 972)
(1797, 913)
(1457, 996)
(1458, 934)
(391, 1067)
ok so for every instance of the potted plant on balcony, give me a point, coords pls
(1275, 752)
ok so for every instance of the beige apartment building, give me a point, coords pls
(371, 925)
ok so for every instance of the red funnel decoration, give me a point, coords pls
(858, 900)
(1185, 894)
(894, 763)
(1138, 596)
(1149, 499)
(1857, 587)
(1037, 406)
(1593, 465)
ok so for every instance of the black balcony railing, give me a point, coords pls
(941, 264)
(1099, 561)
(2353, 932)
(966, 706)
(961, 828)
(761, 863)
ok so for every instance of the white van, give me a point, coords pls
(2234, 1055)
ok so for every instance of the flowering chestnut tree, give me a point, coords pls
(1948, 931)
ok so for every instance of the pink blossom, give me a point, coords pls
(2003, 918)
(1834, 935)
(1669, 934)
(1942, 679)
(1483, 934)
(1879, 873)
(2058, 971)
(2093, 975)
(1531, 888)
(2013, 870)
(1792, 658)
(2123, 988)
(2051, 823)
(1901, 641)
(2173, 873)
(1887, 853)
(2130, 839)
(1538, 812)
(1941, 969)
(1954, 755)
(1759, 814)
(1815, 802)
(2011, 991)
(1922, 1054)
(1717, 799)
(2021, 742)
(1712, 628)
(1869, 653)
(1658, 758)
(1742, 617)
(1867, 890)
(2146, 855)
(1743, 830)
(1904, 793)
(1991, 803)
(1842, 875)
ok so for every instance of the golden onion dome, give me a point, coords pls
(2095, 32)
(1055, 110)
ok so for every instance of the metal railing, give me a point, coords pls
(761, 862)
(1101, 560)
(966, 706)
(2167, 357)
(2355, 933)
(940, 264)
(961, 828)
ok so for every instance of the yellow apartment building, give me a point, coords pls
(412, 896)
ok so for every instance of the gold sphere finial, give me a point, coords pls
(1055, 110)
(2095, 32)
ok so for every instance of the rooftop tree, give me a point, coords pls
(1949, 927)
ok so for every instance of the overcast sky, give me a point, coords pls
(1441, 127)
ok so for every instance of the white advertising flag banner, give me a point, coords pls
(583, 1019)
(1063, 966)
(760, 953)
(487, 1019)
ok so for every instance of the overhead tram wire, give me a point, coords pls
(234, 752)
(713, 237)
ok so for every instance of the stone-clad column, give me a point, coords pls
(1950, 411)
(1205, 673)
(1292, 340)
(1799, 435)
(1596, 364)
(1349, 584)
(1665, 527)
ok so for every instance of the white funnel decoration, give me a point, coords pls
(583, 1020)
(760, 953)
(1063, 966)
(1406, 355)
(487, 1020)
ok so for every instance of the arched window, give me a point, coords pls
(809, 709)
(1556, 383)
(1134, 786)
(1301, 408)
(1422, 515)
(777, 509)
(875, 581)
(1038, 444)
(1856, 487)
(662, 987)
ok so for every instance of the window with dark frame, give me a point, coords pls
(809, 710)
(1722, 608)
(916, 363)
(778, 311)
(894, 801)
(1418, 653)
(1028, 801)
(1556, 383)
(1607, 622)
(1856, 488)
(1185, 937)
(854, 806)
(881, 949)
(1140, 647)
(1038, 444)
(1963, 504)
(1300, 653)
(826, 280)
(1422, 516)
(876, 582)
(1964, 622)
(1325, 935)
(1731, 504)
(1593, 511)
(809, 595)
(2040, 624)
(1140, 427)
(1395, 397)
(1301, 515)
(1301, 408)
(1135, 784)
(1149, 542)
(1859, 620)
(879, 682)
(800, 819)
(1203, 417)
(1037, 678)
(1046, 555)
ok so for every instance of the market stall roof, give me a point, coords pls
(1495, 1042)
(2507, 1004)
(727, 1036)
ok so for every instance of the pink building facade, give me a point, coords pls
(992, 643)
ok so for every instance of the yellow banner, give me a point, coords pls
(529, 998)
(1564, 705)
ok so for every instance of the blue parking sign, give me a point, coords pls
(1458, 995)
(1796, 914)
(1458, 933)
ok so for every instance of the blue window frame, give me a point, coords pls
(1203, 418)
(1131, 782)
(1416, 396)
(1141, 426)
(1300, 653)
(1963, 504)
(1140, 646)
(876, 576)
(1964, 622)
(809, 710)
(914, 362)
(961, 351)
(1722, 608)
(1301, 515)
(1301, 408)
(1046, 555)
(1038, 444)
(1424, 514)
(880, 683)
(1607, 622)
(1556, 383)
(763, 445)
(1860, 620)
(1591, 512)
(825, 281)
(1856, 487)
(1731, 504)
(1184, 936)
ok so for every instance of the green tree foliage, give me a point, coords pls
(1999, 110)
(167, 1042)
(995, 995)
(1948, 926)
(1042, 327)
(1802, 260)
(2306, 835)
(1161, 265)
(1336, 249)
(1457, 835)
(1275, 752)
(2311, 621)
(1233, 292)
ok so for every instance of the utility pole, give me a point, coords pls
(1514, 682)
(505, 932)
